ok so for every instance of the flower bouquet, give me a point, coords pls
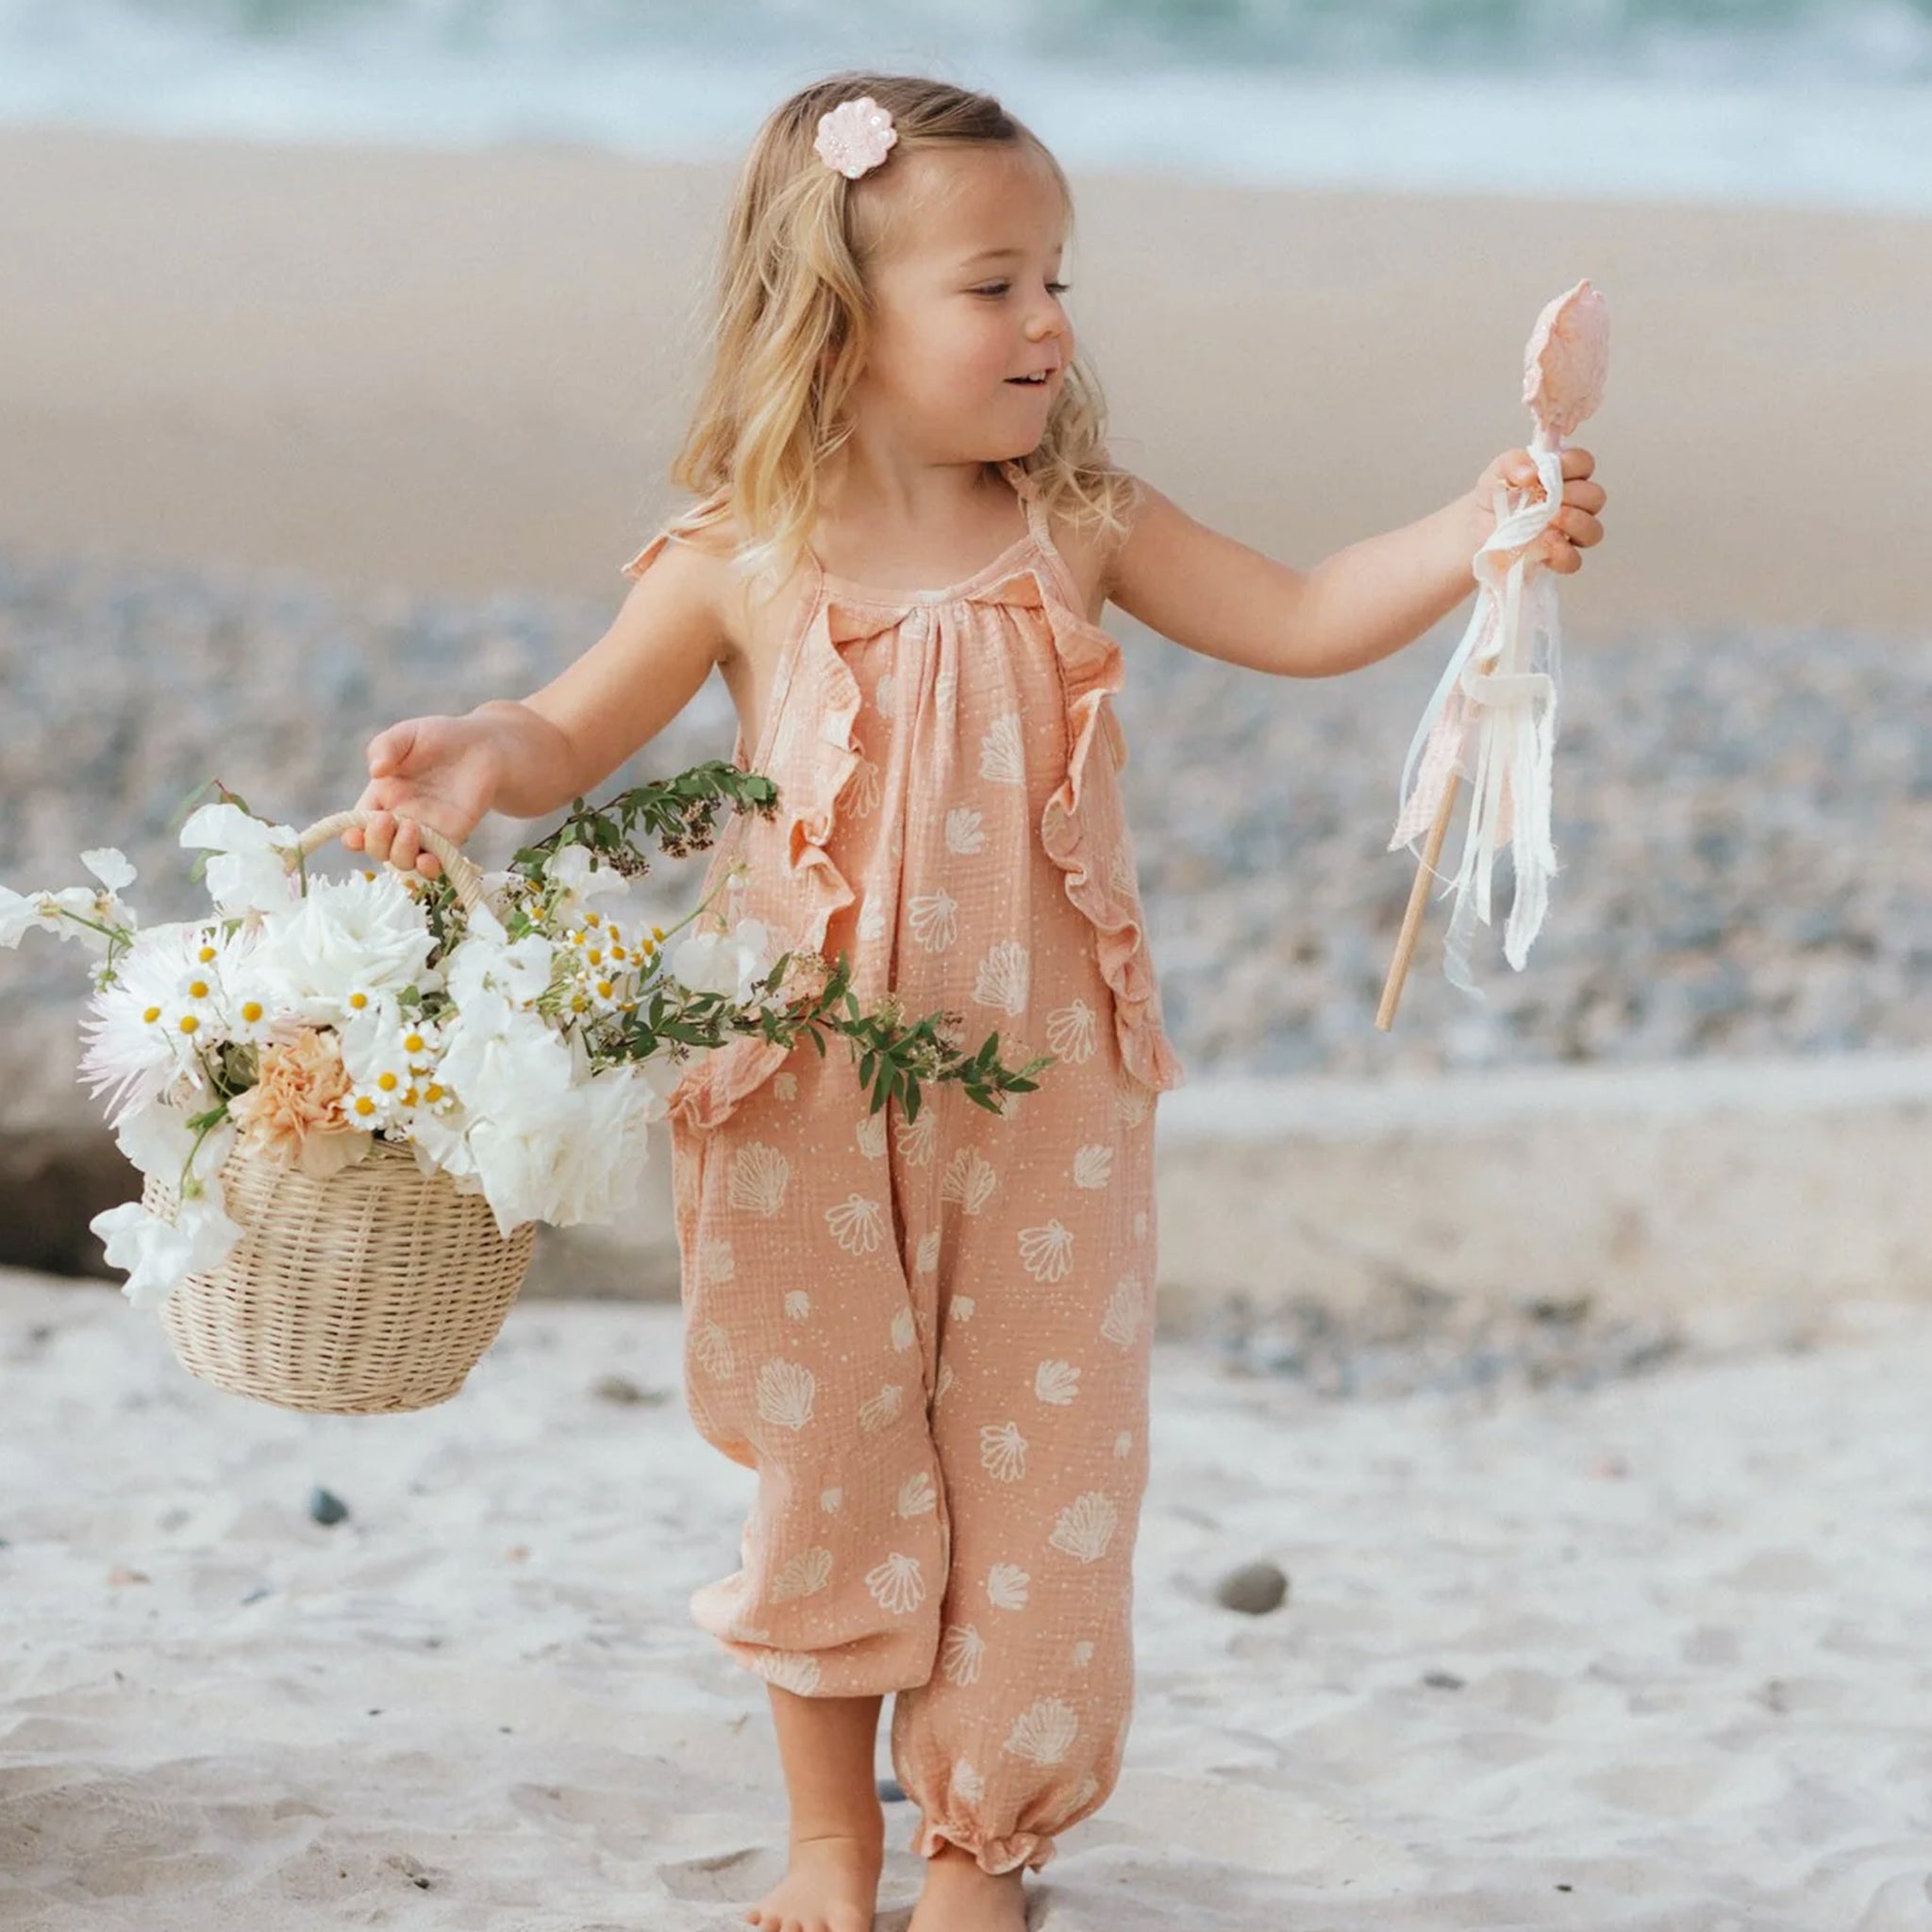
(353, 1100)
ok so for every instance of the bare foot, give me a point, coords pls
(959, 1896)
(831, 1885)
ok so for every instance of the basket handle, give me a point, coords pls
(464, 872)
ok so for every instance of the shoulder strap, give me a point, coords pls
(673, 532)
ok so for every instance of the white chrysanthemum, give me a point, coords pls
(350, 942)
(246, 873)
(377, 1063)
(144, 1031)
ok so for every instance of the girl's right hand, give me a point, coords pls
(439, 772)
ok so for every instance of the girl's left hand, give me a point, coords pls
(1576, 525)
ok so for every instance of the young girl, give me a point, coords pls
(929, 1338)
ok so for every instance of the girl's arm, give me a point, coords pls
(1212, 594)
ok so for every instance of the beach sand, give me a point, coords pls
(457, 370)
(1649, 1656)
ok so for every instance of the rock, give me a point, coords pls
(1254, 1588)
(621, 1389)
(325, 1507)
(891, 1791)
(1443, 1680)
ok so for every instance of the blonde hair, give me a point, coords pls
(793, 322)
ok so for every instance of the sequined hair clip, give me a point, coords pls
(855, 136)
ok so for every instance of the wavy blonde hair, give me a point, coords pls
(793, 320)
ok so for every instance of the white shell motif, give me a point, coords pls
(1086, 1526)
(916, 1496)
(1071, 1035)
(945, 1381)
(1123, 1442)
(896, 1584)
(871, 918)
(858, 1225)
(1003, 1451)
(1093, 1166)
(926, 1257)
(712, 1349)
(874, 1414)
(905, 1329)
(965, 834)
(961, 1653)
(934, 919)
(960, 1308)
(797, 1304)
(1001, 755)
(1122, 1321)
(1006, 1587)
(883, 695)
(967, 1781)
(784, 1393)
(1001, 980)
(1056, 1382)
(871, 1135)
(830, 1500)
(1047, 1253)
(970, 1181)
(1083, 1654)
(719, 1263)
(784, 1084)
(805, 1574)
(864, 785)
(1132, 1100)
(916, 1141)
(1044, 1731)
(790, 1670)
(758, 1178)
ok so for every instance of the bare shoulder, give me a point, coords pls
(1093, 555)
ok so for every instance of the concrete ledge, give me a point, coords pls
(1706, 1192)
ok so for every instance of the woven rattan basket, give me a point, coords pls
(371, 1293)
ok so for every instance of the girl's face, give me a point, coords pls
(970, 339)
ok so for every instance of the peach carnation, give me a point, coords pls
(294, 1111)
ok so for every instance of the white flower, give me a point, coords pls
(575, 874)
(109, 866)
(142, 1029)
(722, 962)
(158, 1139)
(247, 872)
(350, 942)
(159, 1256)
(520, 969)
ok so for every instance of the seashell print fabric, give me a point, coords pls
(931, 1338)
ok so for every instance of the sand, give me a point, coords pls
(458, 371)
(1647, 1658)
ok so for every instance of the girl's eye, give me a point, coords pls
(1001, 287)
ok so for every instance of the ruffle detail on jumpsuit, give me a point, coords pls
(1091, 671)
(788, 863)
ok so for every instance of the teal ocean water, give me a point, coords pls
(1824, 103)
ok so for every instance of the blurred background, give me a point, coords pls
(344, 346)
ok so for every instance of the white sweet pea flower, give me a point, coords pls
(158, 1139)
(722, 962)
(159, 1256)
(575, 876)
(521, 971)
(248, 873)
(109, 866)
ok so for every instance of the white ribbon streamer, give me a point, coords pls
(1498, 699)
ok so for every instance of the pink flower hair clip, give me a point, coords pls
(854, 137)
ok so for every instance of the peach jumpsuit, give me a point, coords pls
(931, 1338)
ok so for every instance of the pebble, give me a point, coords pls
(892, 1792)
(623, 1391)
(1254, 1588)
(325, 1508)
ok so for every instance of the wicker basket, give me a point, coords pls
(371, 1293)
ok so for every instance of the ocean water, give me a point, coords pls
(1818, 103)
